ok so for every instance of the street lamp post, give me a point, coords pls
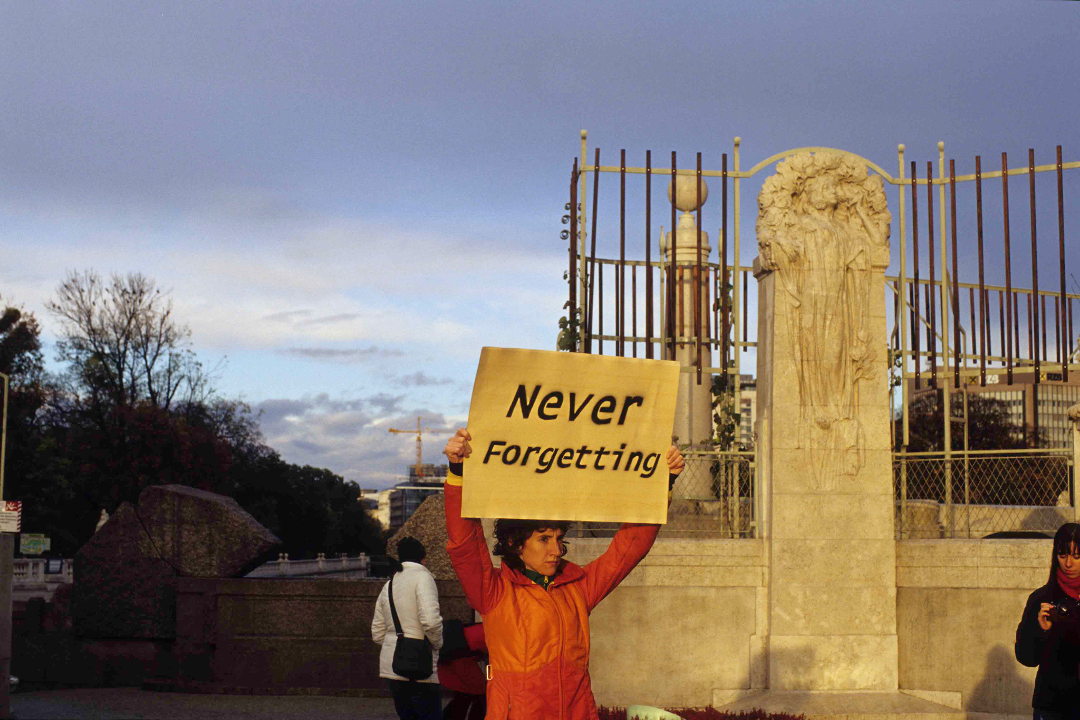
(7, 574)
(3, 436)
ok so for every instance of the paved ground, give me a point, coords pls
(123, 703)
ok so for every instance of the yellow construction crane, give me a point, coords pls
(419, 446)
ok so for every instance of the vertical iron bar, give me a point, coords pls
(572, 275)
(599, 303)
(716, 309)
(1070, 304)
(620, 285)
(1042, 327)
(682, 305)
(956, 275)
(928, 291)
(648, 256)
(745, 316)
(1062, 349)
(722, 286)
(592, 250)
(1001, 324)
(672, 333)
(911, 311)
(1012, 311)
(1034, 261)
(1016, 325)
(697, 277)
(974, 328)
(982, 287)
(1057, 328)
(916, 332)
(1031, 336)
(988, 325)
(931, 304)
(633, 307)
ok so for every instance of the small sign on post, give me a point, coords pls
(11, 516)
(34, 543)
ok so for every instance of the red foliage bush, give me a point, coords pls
(709, 713)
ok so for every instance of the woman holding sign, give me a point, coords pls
(536, 606)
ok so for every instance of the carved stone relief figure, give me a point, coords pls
(821, 219)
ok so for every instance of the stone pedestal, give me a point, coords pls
(824, 451)
(832, 582)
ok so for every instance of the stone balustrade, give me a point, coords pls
(32, 571)
(345, 567)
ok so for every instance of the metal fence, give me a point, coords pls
(715, 497)
(974, 494)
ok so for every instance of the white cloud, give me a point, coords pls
(351, 436)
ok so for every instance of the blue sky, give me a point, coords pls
(348, 200)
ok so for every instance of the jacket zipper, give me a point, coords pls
(562, 643)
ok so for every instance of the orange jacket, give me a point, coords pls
(538, 641)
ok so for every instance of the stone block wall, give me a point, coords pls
(958, 605)
(685, 628)
(688, 627)
(285, 634)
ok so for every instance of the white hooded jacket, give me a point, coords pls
(417, 602)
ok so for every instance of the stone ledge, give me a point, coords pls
(853, 705)
(196, 687)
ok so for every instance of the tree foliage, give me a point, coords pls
(133, 407)
(122, 344)
(989, 425)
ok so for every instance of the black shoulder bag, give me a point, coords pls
(412, 657)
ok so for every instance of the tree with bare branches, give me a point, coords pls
(123, 345)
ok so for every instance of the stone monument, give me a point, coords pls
(824, 452)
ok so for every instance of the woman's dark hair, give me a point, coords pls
(510, 537)
(409, 549)
(1066, 536)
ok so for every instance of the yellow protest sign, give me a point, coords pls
(569, 436)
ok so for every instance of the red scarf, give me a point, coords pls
(1071, 586)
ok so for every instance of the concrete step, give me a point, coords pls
(852, 705)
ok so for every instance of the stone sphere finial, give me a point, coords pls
(940, 145)
(1074, 413)
(686, 192)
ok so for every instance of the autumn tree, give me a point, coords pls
(136, 407)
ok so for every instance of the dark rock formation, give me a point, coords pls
(123, 589)
(428, 525)
(125, 576)
(202, 534)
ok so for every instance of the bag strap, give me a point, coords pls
(393, 610)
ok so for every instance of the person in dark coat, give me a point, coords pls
(459, 670)
(1048, 636)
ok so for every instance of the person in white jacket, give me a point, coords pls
(417, 602)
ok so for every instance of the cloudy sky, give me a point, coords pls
(349, 199)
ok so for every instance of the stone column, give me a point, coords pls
(824, 448)
(693, 409)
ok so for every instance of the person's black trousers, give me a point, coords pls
(416, 700)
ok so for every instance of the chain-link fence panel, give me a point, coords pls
(978, 493)
(714, 496)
